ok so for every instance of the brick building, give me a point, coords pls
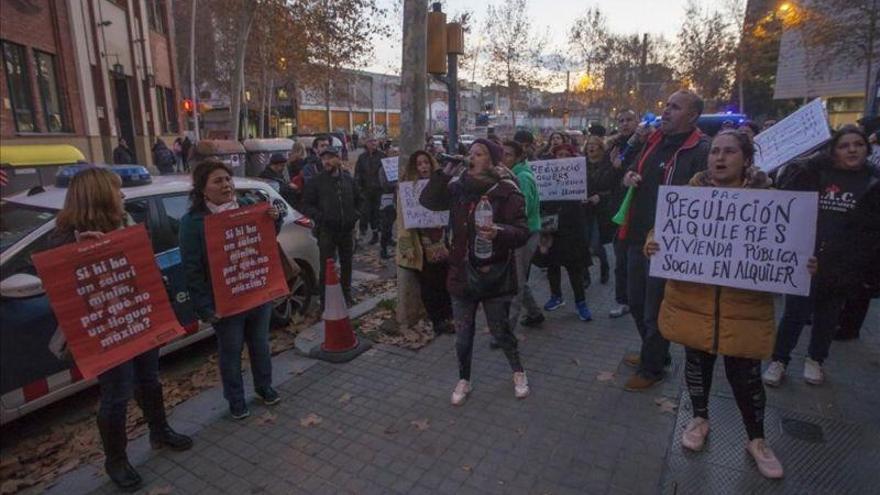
(87, 72)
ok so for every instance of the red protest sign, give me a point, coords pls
(108, 298)
(243, 254)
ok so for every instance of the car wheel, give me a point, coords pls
(299, 299)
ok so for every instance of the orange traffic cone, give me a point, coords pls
(340, 343)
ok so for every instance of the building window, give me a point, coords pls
(19, 84)
(156, 15)
(171, 111)
(47, 79)
(161, 109)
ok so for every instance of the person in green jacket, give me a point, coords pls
(514, 158)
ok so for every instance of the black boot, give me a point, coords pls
(161, 435)
(114, 439)
(604, 274)
(383, 253)
(375, 238)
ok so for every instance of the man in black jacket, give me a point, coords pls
(333, 201)
(366, 174)
(669, 156)
(619, 153)
(122, 155)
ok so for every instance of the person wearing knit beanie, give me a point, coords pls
(495, 152)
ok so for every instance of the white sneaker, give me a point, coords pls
(766, 461)
(462, 389)
(813, 373)
(520, 385)
(774, 374)
(619, 311)
(694, 435)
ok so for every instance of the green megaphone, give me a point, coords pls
(620, 216)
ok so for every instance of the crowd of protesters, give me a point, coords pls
(499, 228)
(709, 321)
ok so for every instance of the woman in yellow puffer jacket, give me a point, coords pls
(710, 320)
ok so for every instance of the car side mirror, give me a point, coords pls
(21, 285)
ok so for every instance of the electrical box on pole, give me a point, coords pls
(436, 41)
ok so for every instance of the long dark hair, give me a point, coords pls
(412, 171)
(200, 176)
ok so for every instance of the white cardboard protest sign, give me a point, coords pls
(800, 132)
(390, 166)
(416, 216)
(745, 238)
(562, 179)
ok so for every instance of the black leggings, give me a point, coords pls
(744, 376)
(575, 277)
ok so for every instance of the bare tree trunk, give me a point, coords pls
(244, 29)
(269, 106)
(192, 71)
(263, 96)
(413, 97)
(872, 36)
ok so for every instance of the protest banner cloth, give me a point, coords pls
(108, 298)
(562, 179)
(801, 132)
(245, 262)
(390, 166)
(750, 239)
(416, 216)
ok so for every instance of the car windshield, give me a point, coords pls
(17, 221)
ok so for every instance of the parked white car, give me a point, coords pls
(30, 375)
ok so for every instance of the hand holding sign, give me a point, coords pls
(750, 239)
(416, 216)
(390, 166)
(563, 179)
(243, 255)
(108, 297)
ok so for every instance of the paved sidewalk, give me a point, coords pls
(386, 425)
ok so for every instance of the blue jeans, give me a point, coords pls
(825, 312)
(232, 332)
(118, 384)
(645, 294)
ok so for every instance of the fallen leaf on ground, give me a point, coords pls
(346, 397)
(266, 418)
(311, 419)
(421, 424)
(605, 376)
(391, 430)
(665, 405)
(467, 468)
(160, 490)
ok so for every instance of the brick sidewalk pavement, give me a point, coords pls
(387, 426)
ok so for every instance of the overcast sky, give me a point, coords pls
(555, 17)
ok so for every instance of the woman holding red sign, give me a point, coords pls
(214, 192)
(93, 207)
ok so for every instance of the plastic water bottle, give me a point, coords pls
(483, 218)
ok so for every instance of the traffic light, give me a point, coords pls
(187, 106)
